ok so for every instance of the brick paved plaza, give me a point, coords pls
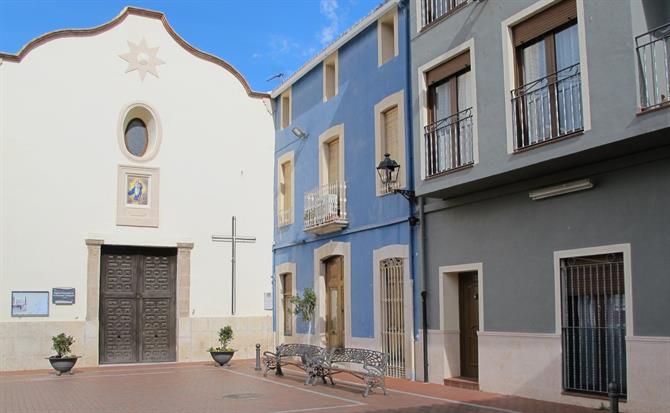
(182, 388)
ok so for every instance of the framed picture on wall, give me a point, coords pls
(30, 303)
(137, 196)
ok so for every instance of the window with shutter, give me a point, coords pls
(333, 148)
(390, 132)
(449, 134)
(547, 99)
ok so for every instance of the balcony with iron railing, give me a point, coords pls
(449, 144)
(326, 208)
(548, 108)
(652, 55)
(434, 10)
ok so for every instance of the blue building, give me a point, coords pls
(338, 229)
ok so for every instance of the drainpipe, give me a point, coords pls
(424, 293)
(405, 5)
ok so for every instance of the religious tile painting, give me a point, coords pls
(137, 196)
(137, 189)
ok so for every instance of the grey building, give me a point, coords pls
(542, 167)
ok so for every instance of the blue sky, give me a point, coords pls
(259, 37)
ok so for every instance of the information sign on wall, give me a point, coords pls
(62, 296)
(30, 303)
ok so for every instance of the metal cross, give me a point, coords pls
(233, 239)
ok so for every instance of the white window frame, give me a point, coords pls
(287, 157)
(378, 255)
(398, 100)
(325, 138)
(509, 64)
(286, 95)
(600, 250)
(332, 59)
(423, 70)
(393, 17)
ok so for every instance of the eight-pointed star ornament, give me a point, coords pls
(142, 58)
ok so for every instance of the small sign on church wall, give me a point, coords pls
(267, 301)
(62, 296)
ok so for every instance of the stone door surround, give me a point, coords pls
(94, 247)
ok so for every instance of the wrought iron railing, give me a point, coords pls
(448, 143)
(326, 204)
(284, 216)
(393, 314)
(652, 55)
(432, 10)
(593, 323)
(547, 108)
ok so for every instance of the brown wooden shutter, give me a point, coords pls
(391, 132)
(449, 68)
(334, 161)
(547, 20)
(287, 171)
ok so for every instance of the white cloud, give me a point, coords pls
(329, 11)
(281, 45)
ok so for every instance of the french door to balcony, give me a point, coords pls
(547, 105)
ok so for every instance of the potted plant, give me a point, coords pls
(223, 353)
(304, 308)
(63, 361)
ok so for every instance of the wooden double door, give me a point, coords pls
(137, 304)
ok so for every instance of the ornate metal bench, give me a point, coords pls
(337, 360)
(299, 355)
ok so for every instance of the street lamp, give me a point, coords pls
(388, 173)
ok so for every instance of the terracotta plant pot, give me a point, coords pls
(222, 357)
(63, 364)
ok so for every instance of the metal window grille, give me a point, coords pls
(432, 10)
(547, 108)
(652, 55)
(325, 204)
(393, 319)
(448, 143)
(593, 323)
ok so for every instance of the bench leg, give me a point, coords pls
(367, 390)
(278, 371)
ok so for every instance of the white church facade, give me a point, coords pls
(125, 154)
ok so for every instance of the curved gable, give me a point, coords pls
(116, 21)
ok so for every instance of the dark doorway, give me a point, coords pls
(468, 298)
(334, 302)
(137, 304)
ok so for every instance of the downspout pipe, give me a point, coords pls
(409, 144)
(424, 293)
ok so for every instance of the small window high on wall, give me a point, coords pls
(285, 109)
(387, 35)
(330, 77)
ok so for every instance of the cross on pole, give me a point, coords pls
(233, 239)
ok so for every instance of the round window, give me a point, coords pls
(139, 132)
(137, 137)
